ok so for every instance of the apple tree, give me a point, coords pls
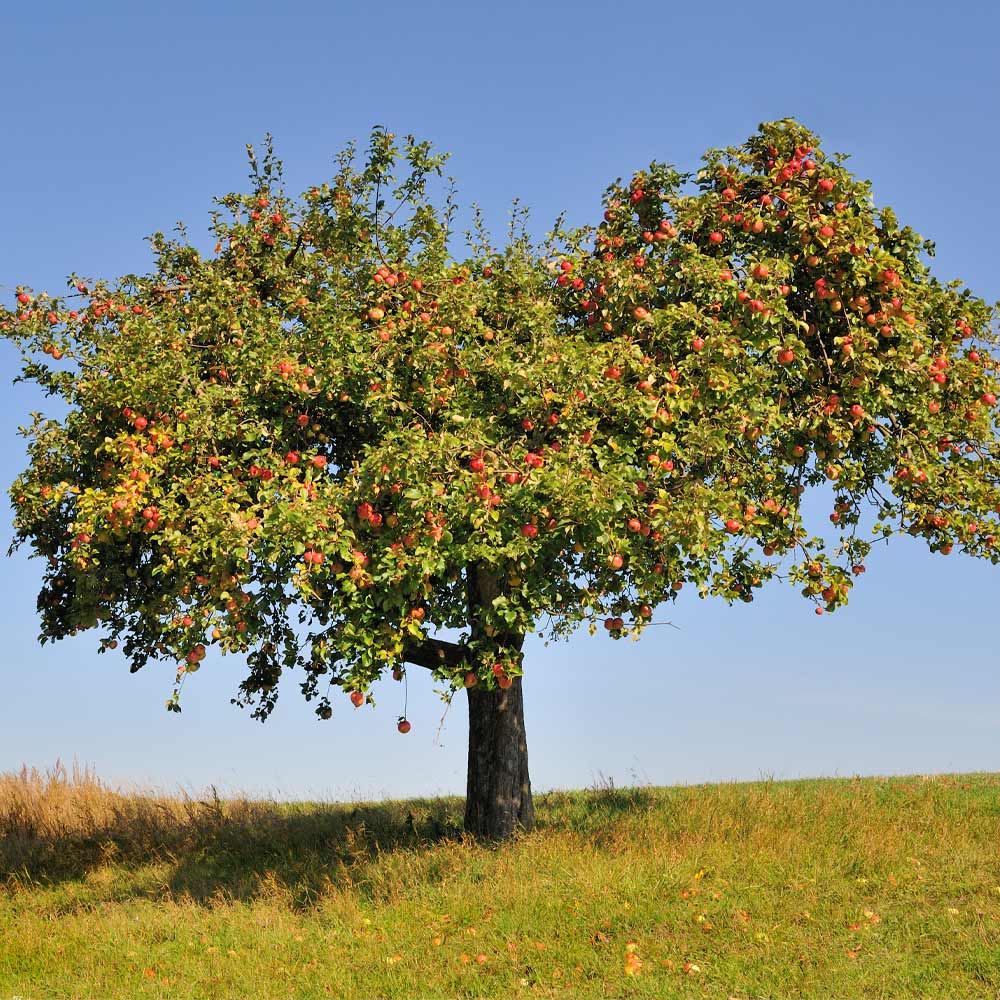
(325, 443)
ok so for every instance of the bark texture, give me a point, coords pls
(498, 795)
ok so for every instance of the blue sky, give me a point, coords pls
(119, 123)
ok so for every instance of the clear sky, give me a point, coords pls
(118, 123)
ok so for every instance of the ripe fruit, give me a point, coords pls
(403, 726)
(613, 372)
(476, 464)
(989, 398)
(732, 526)
(827, 185)
(357, 699)
(786, 357)
(529, 530)
(471, 680)
(616, 561)
(760, 271)
(319, 461)
(697, 344)
(23, 298)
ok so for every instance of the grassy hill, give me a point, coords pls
(828, 889)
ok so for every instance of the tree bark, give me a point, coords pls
(498, 799)
(498, 792)
(498, 795)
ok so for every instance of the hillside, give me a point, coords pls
(828, 888)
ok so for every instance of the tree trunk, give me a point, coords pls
(498, 795)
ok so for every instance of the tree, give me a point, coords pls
(331, 446)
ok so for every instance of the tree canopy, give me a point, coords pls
(332, 436)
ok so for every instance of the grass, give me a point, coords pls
(832, 889)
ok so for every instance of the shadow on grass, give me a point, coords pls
(217, 850)
(60, 828)
(598, 812)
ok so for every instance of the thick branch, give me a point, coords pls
(433, 653)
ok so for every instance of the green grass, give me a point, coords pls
(832, 889)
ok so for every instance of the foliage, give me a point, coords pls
(330, 438)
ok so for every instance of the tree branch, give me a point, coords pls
(433, 653)
(295, 249)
